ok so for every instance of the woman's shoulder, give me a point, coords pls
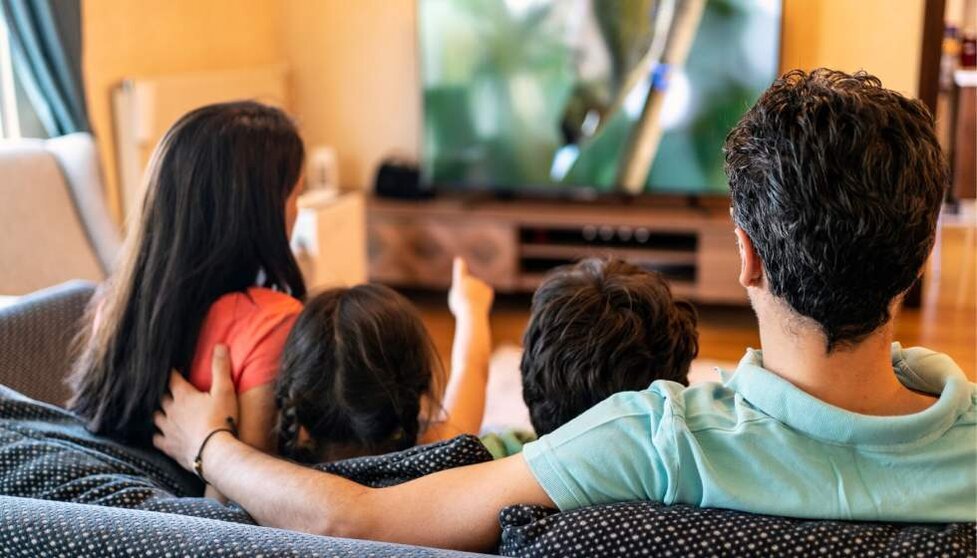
(250, 315)
(257, 302)
(254, 324)
(268, 299)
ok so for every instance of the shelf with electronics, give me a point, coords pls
(513, 243)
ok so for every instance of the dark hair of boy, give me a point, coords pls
(356, 368)
(841, 211)
(598, 328)
(212, 221)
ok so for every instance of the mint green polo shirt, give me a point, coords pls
(759, 444)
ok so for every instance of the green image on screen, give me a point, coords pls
(546, 94)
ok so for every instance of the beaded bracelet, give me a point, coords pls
(198, 462)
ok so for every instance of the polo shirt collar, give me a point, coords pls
(918, 369)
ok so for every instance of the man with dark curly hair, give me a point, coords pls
(836, 186)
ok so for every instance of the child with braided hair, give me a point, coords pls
(360, 375)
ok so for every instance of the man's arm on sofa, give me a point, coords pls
(457, 508)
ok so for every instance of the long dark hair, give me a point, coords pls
(356, 369)
(212, 222)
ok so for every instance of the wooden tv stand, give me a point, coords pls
(512, 244)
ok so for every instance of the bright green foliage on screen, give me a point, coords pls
(508, 86)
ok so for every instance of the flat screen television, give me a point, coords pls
(561, 96)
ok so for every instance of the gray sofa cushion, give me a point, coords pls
(35, 339)
(653, 529)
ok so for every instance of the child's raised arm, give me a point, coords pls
(470, 300)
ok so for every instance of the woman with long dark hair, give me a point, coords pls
(207, 263)
(207, 273)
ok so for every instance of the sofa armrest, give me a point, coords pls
(39, 527)
(36, 334)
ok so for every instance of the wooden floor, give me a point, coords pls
(947, 322)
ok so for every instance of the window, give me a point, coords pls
(17, 116)
(9, 122)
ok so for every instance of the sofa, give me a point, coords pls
(87, 496)
(53, 220)
(67, 492)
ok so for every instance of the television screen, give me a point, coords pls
(607, 95)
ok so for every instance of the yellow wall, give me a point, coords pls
(882, 37)
(354, 79)
(137, 38)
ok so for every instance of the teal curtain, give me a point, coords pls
(45, 41)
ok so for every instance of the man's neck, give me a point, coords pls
(856, 378)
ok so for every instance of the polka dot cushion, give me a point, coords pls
(50, 466)
(46, 453)
(399, 467)
(652, 529)
(37, 529)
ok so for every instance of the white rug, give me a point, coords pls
(504, 408)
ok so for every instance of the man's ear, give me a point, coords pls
(751, 268)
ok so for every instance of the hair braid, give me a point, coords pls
(405, 436)
(287, 428)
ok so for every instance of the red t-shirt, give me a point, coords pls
(254, 325)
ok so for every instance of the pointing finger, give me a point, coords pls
(459, 269)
